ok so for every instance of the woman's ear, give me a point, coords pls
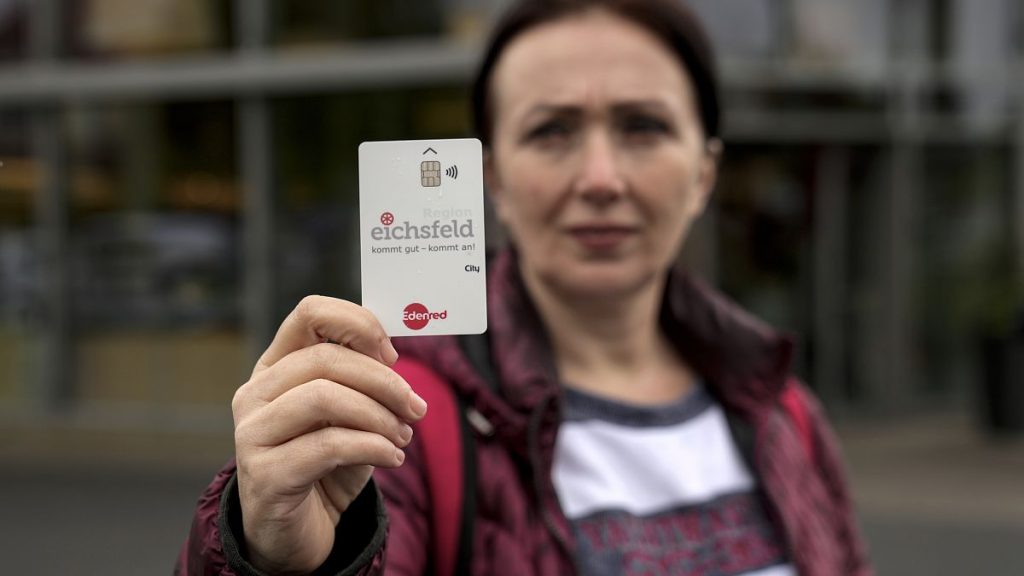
(707, 172)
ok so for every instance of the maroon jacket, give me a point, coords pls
(519, 527)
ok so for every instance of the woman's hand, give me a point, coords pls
(310, 425)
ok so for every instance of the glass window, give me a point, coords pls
(832, 34)
(20, 321)
(963, 284)
(13, 29)
(154, 253)
(869, 240)
(982, 52)
(836, 34)
(128, 29)
(310, 22)
(305, 22)
(764, 233)
(742, 29)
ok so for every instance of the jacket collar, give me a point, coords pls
(745, 362)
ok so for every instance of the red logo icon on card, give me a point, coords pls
(387, 218)
(416, 316)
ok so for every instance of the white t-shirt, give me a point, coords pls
(661, 490)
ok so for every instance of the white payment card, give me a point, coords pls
(421, 231)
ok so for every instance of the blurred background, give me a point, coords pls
(176, 174)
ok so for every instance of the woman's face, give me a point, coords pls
(598, 164)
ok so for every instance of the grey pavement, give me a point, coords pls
(83, 521)
(935, 499)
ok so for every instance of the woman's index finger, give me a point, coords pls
(318, 319)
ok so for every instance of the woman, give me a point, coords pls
(636, 426)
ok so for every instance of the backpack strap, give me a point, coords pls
(793, 403)
(450, 467)
(477, 349)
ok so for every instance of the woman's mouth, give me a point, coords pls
(602, 238)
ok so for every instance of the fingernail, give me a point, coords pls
(399, 455)
(406, 433)
(418, 405)
(389, 354)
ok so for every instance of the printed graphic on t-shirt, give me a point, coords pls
(729, 536)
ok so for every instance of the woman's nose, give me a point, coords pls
(599, 179)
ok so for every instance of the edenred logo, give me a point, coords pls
(416, 316)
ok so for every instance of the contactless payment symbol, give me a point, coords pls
(387, 218)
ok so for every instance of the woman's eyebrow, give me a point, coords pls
(548, 109)
(553, 110)
(641, 105)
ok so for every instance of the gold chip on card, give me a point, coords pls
(430, 173)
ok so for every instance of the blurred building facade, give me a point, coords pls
(177, 174)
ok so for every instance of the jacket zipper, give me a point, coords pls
(533, 439)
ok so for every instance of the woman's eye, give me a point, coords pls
(644, 126)
(551, 131)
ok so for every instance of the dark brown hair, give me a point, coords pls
(669, 20)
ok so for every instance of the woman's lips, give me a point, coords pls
(602, 238)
